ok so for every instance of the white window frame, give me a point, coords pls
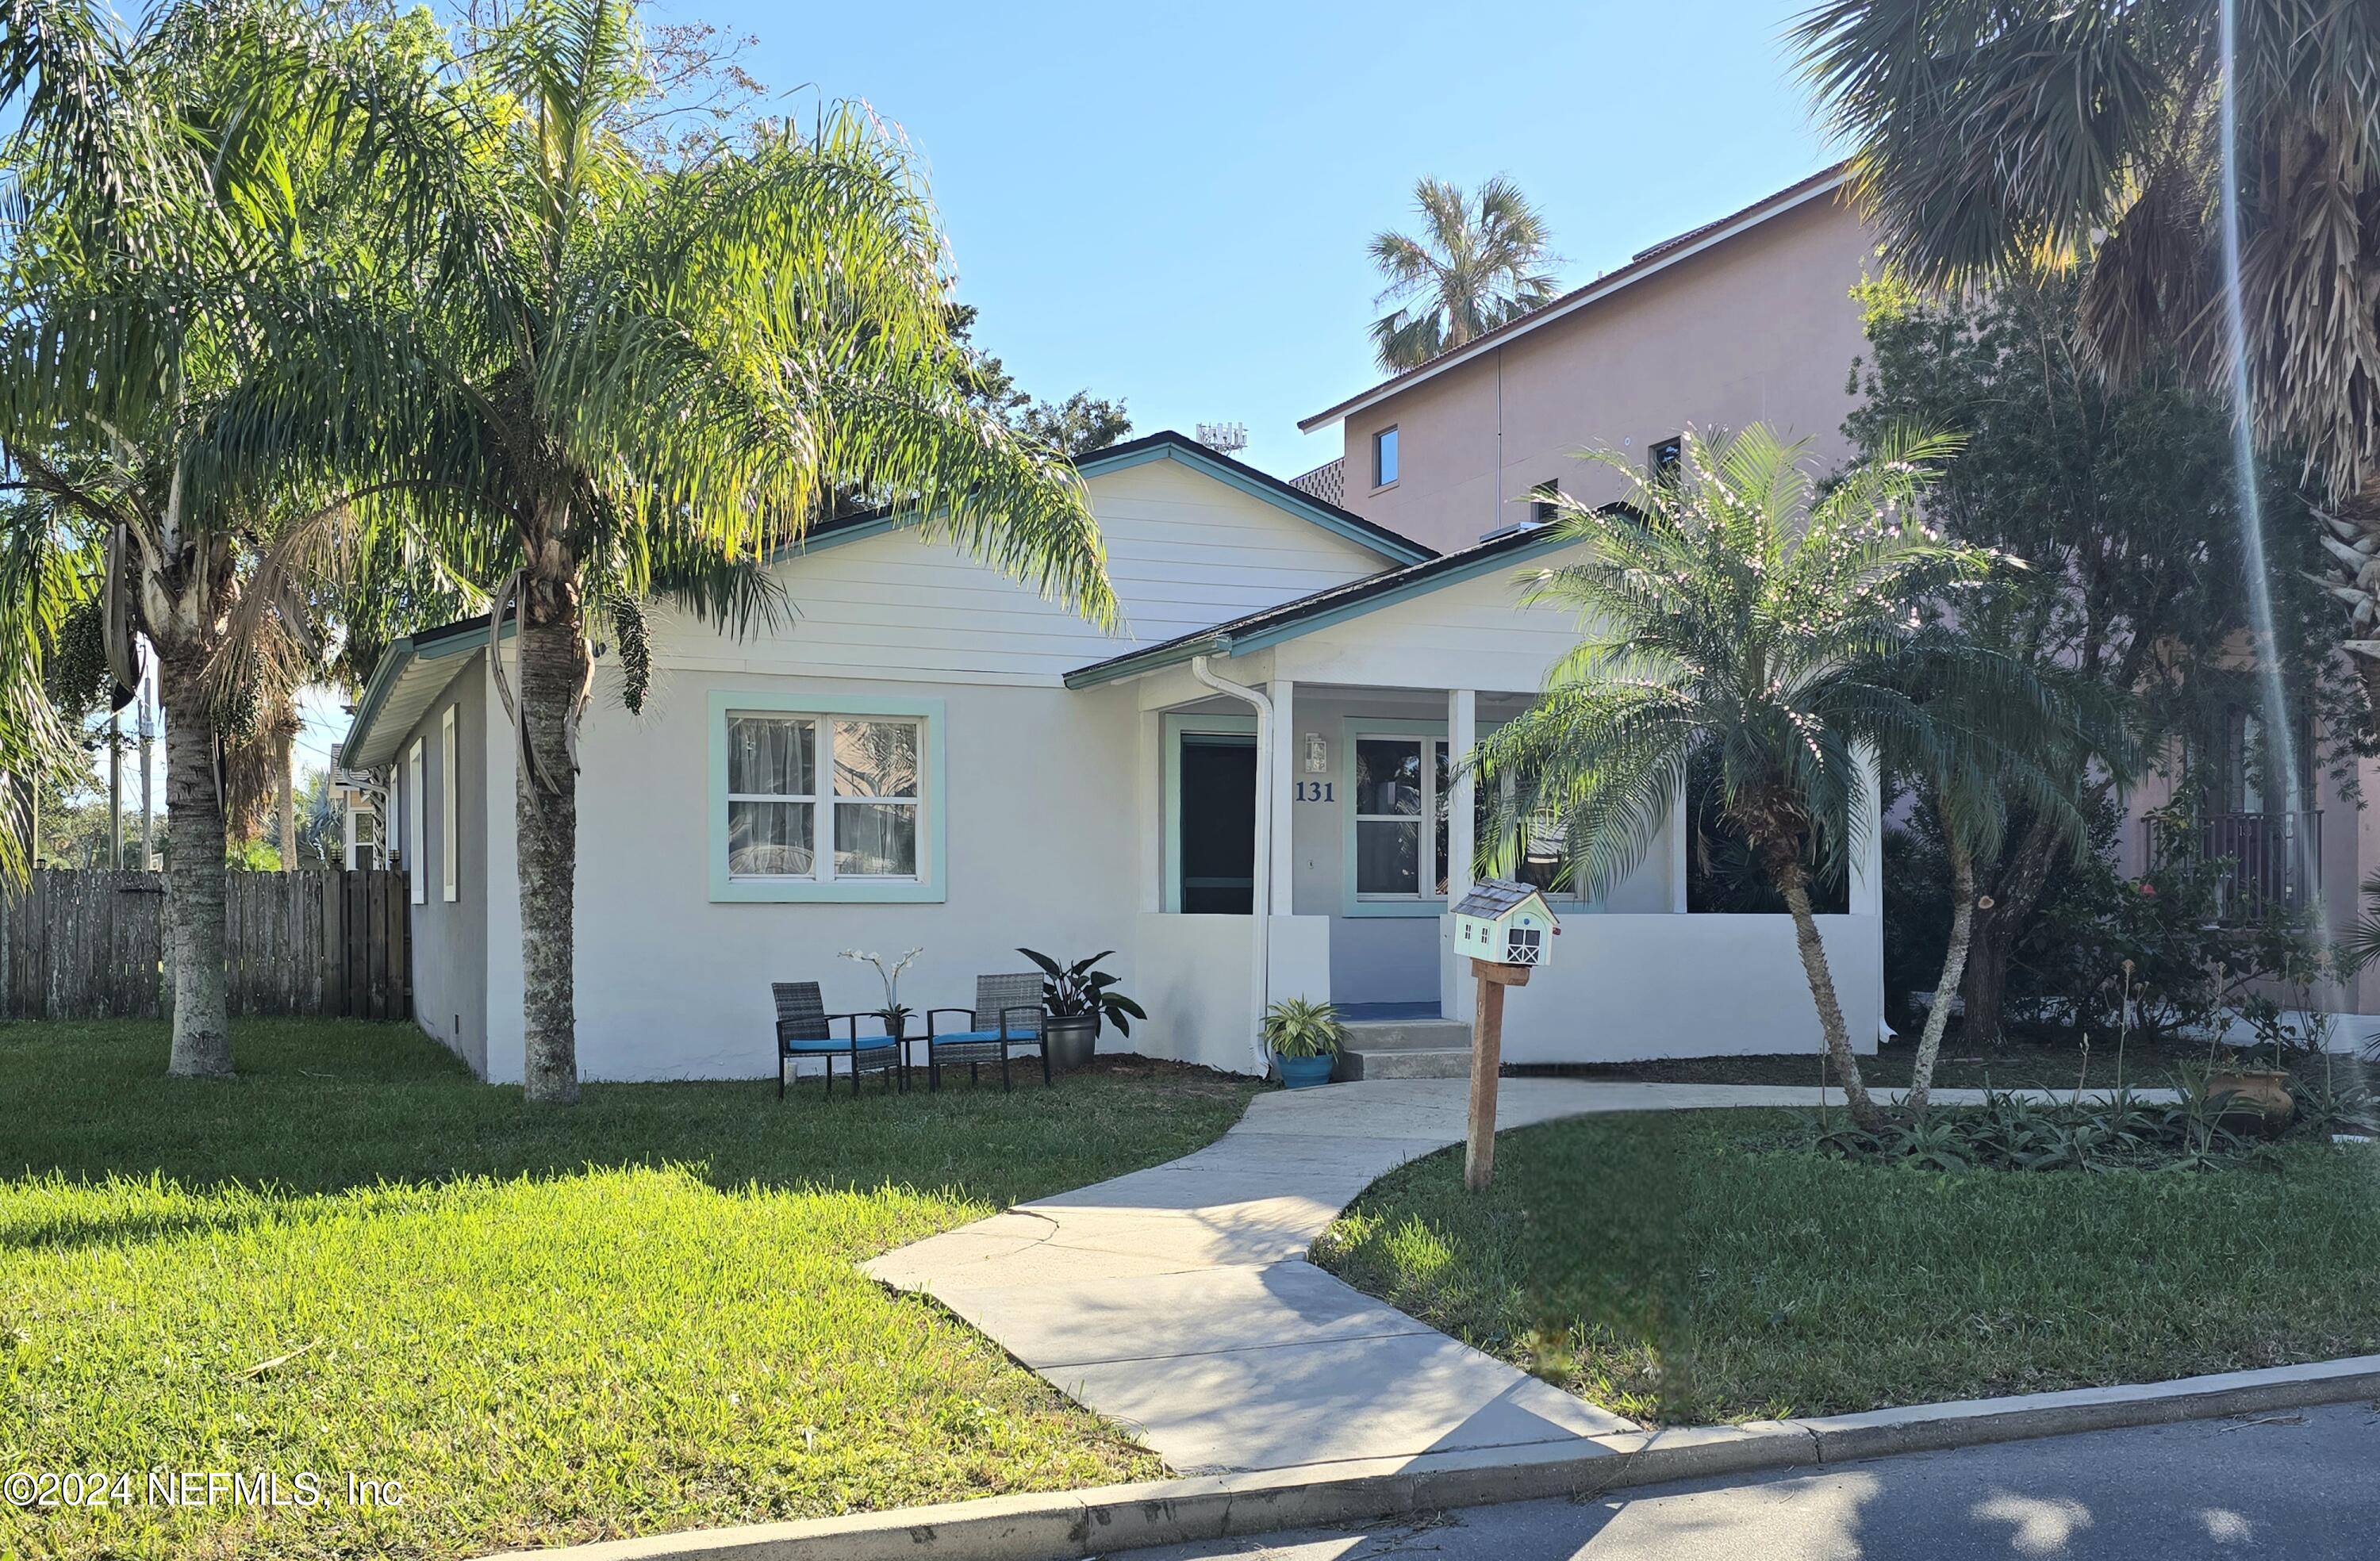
(1424, 897)
(417, 880)
(450, 828)
(823, 883)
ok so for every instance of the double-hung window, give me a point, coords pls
(824, 798)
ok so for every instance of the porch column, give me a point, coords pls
(1283, 782)
(1462, 848)
(1461, 844)
(1866, 896)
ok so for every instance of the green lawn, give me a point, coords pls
(636, 1315)
(1701, 1266)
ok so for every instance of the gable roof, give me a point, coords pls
(1643, 263)
(1166, 444)
(413, 671)
(1492, 898)
(1333, 604)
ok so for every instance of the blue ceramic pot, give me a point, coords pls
(1305, 1072)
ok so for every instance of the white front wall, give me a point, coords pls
(1055, 815)
(1047, 792)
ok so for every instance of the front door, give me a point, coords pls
(1218, 841)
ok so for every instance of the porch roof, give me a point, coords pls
(1334, 604)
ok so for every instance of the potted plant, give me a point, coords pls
(2252, 1083)
(1078, 996)
(1303, 1037)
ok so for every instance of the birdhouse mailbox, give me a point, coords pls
(1504, 922)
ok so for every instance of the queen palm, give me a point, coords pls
(147, 219)
(1993, 138)
(1732, 618)
(602, 364)
(1476, 264)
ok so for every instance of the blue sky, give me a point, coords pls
(1171, 204)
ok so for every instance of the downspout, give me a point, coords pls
(1260, 895)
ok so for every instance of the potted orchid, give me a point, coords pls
(895, 1013)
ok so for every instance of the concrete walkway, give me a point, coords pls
(1178, 1302)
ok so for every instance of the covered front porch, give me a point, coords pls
(1303, 824)
(1333, 814)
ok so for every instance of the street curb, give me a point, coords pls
(1072, 1525)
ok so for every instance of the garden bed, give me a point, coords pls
(640, 1315)
(1705, 1266)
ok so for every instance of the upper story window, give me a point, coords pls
(1545, 502)
(1384, 457)
(826, 799)
(1662, 459)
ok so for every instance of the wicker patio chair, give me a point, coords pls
(806, 1029)
(1006, 1017)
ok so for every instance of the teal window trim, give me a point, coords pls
(1175, 726)
(931, 886)
(1352, 729)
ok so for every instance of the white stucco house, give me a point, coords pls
(1243, 792)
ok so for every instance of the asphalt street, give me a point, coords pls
(2302, 1484)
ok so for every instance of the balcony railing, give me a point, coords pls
(2276, 858)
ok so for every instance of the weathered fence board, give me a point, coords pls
(91, 944)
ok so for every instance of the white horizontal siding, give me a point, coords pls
(1184, 552)
(1473, 634)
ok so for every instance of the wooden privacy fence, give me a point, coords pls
(91, 944)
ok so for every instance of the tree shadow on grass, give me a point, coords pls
(330, 1106)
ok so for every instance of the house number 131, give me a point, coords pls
(1314, 791)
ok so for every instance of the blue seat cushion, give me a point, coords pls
(979, 1038)
(842, 1044)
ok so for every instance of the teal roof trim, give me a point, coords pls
(431, 645)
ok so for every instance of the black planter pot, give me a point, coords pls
(1073, 1038)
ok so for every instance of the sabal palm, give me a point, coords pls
(1994, 137)
(604, 364)
(1475, 265)
(1729, 615)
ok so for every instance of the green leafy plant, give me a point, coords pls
(1070, 991)
(1302, 1027)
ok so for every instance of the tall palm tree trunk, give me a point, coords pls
(1954, 966)
(195, 877)
(553, 671)
(1785, 870)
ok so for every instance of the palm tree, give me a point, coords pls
(592, 368)
(1476, 265)
(149, 222)
(1995, 138)
(1731, 617)
(2021, 740)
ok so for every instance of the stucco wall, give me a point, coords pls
(450, 938)
(1625, 986)
(1760, 328)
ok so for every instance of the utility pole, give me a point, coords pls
(115, 790)
(288, 810)
(148, 733)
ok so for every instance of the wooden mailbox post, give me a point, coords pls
(1503, 926)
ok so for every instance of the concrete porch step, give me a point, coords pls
(1403, 1062)
(1407, 1034)
(1405, 1048)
